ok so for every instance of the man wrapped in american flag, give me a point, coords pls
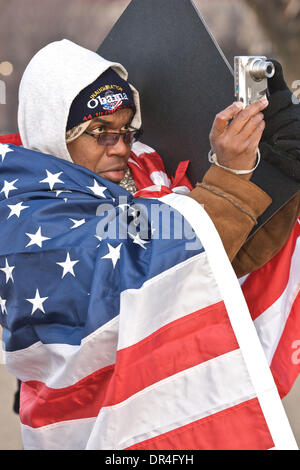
(122, 314)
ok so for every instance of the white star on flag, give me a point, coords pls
(100, 240)
(114, 254)
(122, 206)
(135, 213)
(16, 209)
(8, 271)
(68, 266)
(59, 191)
(77, 223)
(37, 302)
(52, 179)
(4, 149)
(8, 186)
(97, 190)
(2, 305)
(137, 239)
(36, 238)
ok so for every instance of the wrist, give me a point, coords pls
(212, 157)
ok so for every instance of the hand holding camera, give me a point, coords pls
(237, 130)
(235, 144)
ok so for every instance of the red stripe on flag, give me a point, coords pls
(140, 173)
(151, 162)
(241, 427)
(41, 405)
(205, 334)
(153, 194)
(180, 178)
(259, 294)
(11, 139)
(285, 364)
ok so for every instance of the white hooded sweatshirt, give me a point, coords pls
(51, 81)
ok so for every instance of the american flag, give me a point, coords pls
(273, 297)
(135, 343)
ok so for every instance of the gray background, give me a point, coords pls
(244, 27)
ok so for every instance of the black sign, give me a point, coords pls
(184, 80)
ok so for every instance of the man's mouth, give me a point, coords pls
(115, 173)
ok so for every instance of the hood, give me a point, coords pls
(51, 81)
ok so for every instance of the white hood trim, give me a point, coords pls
(51, 81)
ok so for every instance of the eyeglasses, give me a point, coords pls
(112, 138)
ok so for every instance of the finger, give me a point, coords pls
(251, 126)
(222, 118)
(243, 117)
(253, 141)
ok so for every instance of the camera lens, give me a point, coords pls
(260, 69)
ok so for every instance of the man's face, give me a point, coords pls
(109, 162)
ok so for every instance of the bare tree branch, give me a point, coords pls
(280, 20)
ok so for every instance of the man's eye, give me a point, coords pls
(97, 130)
(126, 127)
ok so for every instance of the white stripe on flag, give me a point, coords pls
(66, 435)
(181, 190)
(178, 400)
(173, 402)
(139, 148)
(66, 364)
(151, 189)
(145, 310)
(160, 178)
(270, 324)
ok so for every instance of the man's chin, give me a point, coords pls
(114, 176)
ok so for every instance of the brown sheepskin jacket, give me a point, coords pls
(222, 192)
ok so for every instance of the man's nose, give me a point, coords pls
(120, 149)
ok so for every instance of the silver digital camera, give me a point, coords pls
(251, 75)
